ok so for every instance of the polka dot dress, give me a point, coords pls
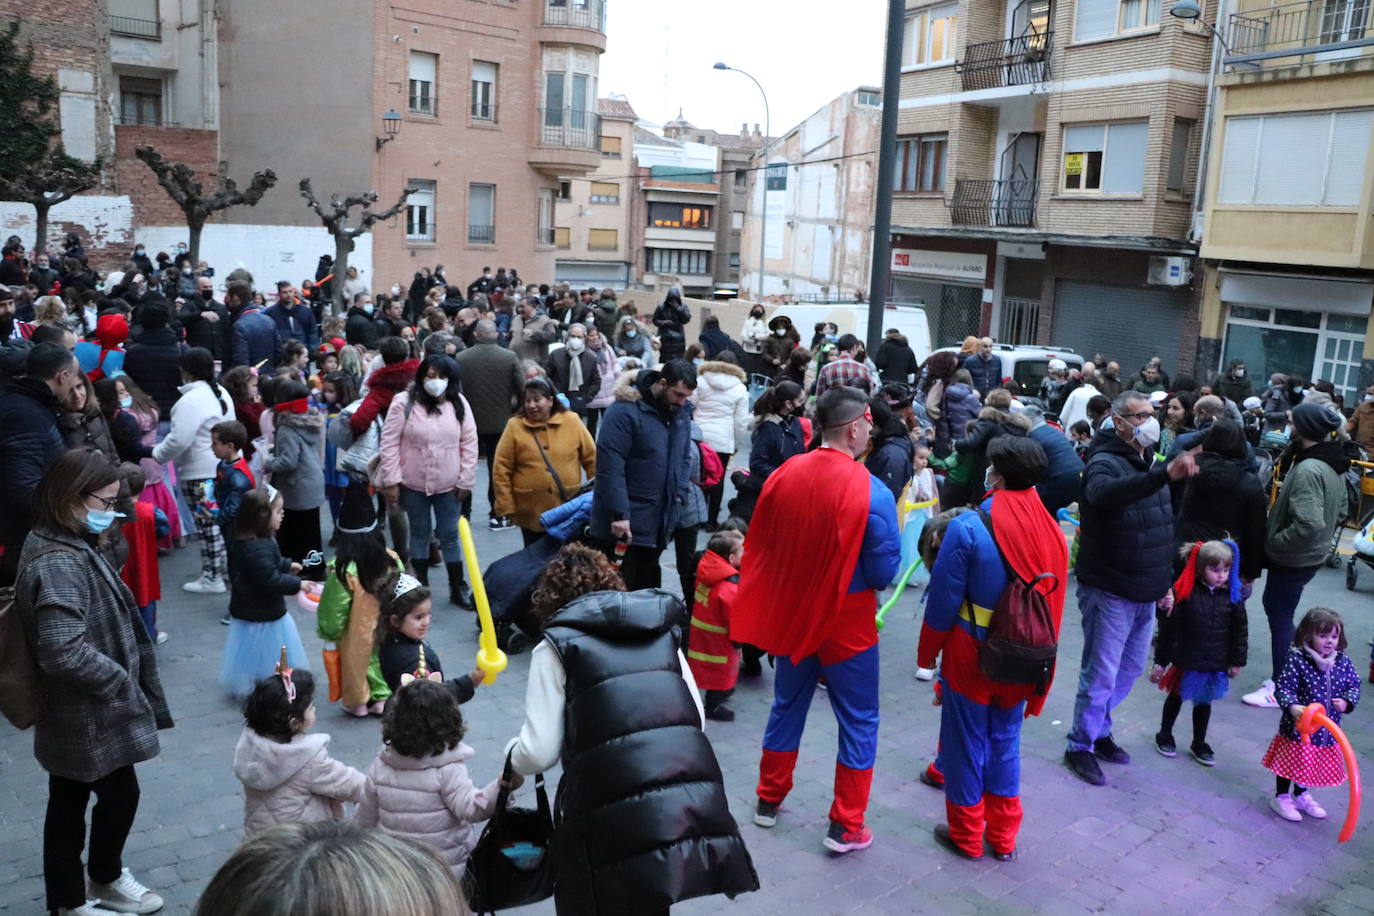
(1307, 765)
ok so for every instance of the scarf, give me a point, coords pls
(1323, 663)
(574, 371)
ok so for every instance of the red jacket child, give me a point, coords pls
(711, 655)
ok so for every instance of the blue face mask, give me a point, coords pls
(126, 403)
(831, 338)
(631, 334)
(97, 520)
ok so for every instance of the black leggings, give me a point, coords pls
(1282, 784)
(1202, 714)
(64, 833)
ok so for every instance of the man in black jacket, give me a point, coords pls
(206, 321)
(253, 340)
(294, 321)
(1125, 566)
(360, 328)
(42, 275)
(154, 360)
(895, 359)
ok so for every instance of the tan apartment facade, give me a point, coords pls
(1289, 233)
(481, 108)
(592, 231)
(1048, 152)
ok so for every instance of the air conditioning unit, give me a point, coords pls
(1172, 271)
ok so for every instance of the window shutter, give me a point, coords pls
(423, 67)
(1096, 19)
(1123, 168)
(1349, 150)
(1292, 158)
(1238, 160)
(1084, 139)
(483, 72)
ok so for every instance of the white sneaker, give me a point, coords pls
(1308, 805)
(925, 674)
(206, 585)
(125, 895)
(89, 908)
(163, 636)
(1283, 806)
(1263, 696)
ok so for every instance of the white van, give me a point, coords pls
(852, 318)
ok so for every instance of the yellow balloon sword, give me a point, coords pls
(490, 658)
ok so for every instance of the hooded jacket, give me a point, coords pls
(891, 463)
(297, 462)
(721, 404)
(1302, 683)
(1064, 480)
(382, 386)
(187, 442)
(430, 799)
(360, 329)
(643, 463)
(1225, 500)
(959, 404)
(154, 362)
(293, 783)
(1126, 534)
(1312, 498)
(895, 360)
(713, 658)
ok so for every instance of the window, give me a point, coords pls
(921, 163)
(734, 260)
(867, 97)
(677, 261)
(605, 192)
(565, 190)
(482, 213)
(603, 239)
(610, 147)
(1312, 159)
(483, 91)
(741, 177)
(1106, 158)
(420, 211)
(424, 70)
(1108, 18)
(544, 234)
(562, 237)
(679, 216)
(140, 100)
(930, 35)
(737, 219)
(1178, 155)
(135, 18)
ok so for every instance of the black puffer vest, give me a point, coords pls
(642, 815)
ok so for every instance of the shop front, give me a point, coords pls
(953, 286)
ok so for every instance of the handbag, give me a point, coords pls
(512, 863)
(557, 481)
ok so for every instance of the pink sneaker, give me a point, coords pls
(842, 841)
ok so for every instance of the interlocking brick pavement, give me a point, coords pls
(1162, 836)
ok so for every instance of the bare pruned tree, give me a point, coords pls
(181, 184)
(336, 218)
(47, 183)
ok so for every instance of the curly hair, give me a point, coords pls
(573, 572)
(268, 712)
(422, 719)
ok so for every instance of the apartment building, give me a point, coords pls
(676, 212)
(820, 182)
(1289, 235)
(481, 107)
(592, 215)
(1047, 167)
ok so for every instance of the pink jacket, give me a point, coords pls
(431, 799)
(292, 783)
(430, 453)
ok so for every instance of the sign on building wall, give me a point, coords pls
(777, 177)
(775, 210)
(1073, 163)
(952, 265)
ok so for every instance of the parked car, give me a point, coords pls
(1026, 364)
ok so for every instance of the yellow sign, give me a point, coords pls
(1073, 163)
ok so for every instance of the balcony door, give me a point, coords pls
(1030, 18)
(1014, 204)
(1344, 20)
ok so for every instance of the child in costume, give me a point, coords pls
(259, 624)
(419, 786)
(143, 409)
(296, 463)
(337, 392)
(931, 535)
(713, 658)
(287, 774)
(347, 614)
(1317, 670)
(141, 534)
(403, 621)
(1201, 640)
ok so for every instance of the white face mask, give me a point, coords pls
(575, 344)
(436, 387)
(987, 480)
(1240, 373)
(395, 291)
(1147, 433)
(780, 332)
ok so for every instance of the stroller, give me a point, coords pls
(510, 580)
(1363, 543)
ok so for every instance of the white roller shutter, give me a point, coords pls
(1238, 160)
(1349, 152)
(1096, 19)
(1292, 159)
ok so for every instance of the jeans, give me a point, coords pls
(149, 614)
(445, 508)
(1116, 644)
(64, 833)
(1283, 587)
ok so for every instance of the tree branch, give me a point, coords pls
(369, 218)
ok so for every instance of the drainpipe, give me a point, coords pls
(1204, 163)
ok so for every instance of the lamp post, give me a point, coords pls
(391, 126)
(763, 151)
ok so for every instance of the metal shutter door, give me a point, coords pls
(1129, 324)
(953, 312)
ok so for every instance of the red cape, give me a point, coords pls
(800, 553)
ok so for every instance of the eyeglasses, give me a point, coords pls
(1145, 415)
(109, 504)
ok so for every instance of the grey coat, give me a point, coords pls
(493, 383)
(105, 700)
(297, 462)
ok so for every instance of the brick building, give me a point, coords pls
(1048, 158)
(592, 230)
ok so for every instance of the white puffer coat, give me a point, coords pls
(292, 783)
(431, 799)
(722, 406)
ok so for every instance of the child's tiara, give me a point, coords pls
(406, 583)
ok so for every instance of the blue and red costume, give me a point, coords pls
(980, 719)
(824, 536)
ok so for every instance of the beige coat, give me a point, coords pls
(524, 487)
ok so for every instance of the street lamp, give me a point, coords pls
(767, 136)
(391, 126)
(1186, 9)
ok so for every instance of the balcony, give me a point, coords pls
(1019, 61)
(578, 14)
(1312, 31)
(567, 141)
(481, 235)
(425, 104)
(995, 203)
(484, 111)
(136, 28)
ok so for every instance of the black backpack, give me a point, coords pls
(1021, 644)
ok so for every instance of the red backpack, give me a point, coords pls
(712, 468)
(1021, 644)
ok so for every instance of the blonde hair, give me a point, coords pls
(50, 310)
(332, 868)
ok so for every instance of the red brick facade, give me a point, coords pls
(152, 206)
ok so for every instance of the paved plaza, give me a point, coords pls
(1165, 836)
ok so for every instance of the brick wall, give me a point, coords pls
(152, 205)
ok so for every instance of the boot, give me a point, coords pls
(421, 569)
(459, 592)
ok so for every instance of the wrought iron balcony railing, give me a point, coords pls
(571, 128)
(1008, 202)
(1011, 62)
(136, 28)
(481, 235)
(1326, 29)
(586, 14)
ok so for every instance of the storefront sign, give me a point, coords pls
(951, 265)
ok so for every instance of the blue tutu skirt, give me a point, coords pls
(1202, 686)
(253, 649)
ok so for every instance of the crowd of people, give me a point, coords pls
(144, 410)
